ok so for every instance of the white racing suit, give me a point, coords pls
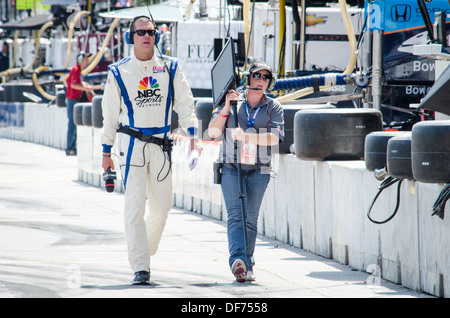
(138, 95)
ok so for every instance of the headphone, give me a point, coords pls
(129, 34)
(245, 80)
(80, 56)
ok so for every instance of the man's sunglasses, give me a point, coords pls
(265, 77)
(143, 32)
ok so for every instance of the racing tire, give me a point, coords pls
(61, 99)
(87, 114)
(289, 112)
(97, 114)
(430, 151)
(399, 156)
(334, 134)
(375, 149)
(78, 114)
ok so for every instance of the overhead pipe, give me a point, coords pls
(350, 35)
(367, 55)
(377, 69)
(302, 36)
(70, 34)
(247, 26)
(297, 31)
(187, 15)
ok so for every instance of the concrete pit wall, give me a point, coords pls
(317, 206)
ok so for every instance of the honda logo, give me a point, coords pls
(401, 13)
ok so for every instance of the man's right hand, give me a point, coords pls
(107, 162)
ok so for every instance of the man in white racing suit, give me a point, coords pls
(137, 103)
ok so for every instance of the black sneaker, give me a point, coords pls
(71, 152)
(141, 278)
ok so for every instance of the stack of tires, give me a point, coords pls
(89, 114)
(82, 114)
(389, 151)
(375, 149)
(422, 154)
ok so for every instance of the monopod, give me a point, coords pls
(241, 187)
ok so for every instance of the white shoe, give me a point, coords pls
(251, 276)
(239, 270)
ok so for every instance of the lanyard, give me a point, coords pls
(251, 121)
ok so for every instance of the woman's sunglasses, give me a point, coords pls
(143, 32)
(257, 76)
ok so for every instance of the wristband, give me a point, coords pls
(106, 155)
(223, 116)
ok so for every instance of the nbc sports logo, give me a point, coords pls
(148, 93)
(148, 82)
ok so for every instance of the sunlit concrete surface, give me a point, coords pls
(62, 238)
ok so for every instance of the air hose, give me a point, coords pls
(18, 70)
(38, 87)
(314, 81)
(70, 34)
(439, 205)
(386, 184)
(89, 68)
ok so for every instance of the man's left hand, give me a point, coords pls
(195, 144)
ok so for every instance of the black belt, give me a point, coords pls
(165, 143)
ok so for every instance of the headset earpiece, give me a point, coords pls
(272, 83)
(245, 78)
(156, 37)
(128, 37)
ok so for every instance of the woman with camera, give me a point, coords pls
(260, 130)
